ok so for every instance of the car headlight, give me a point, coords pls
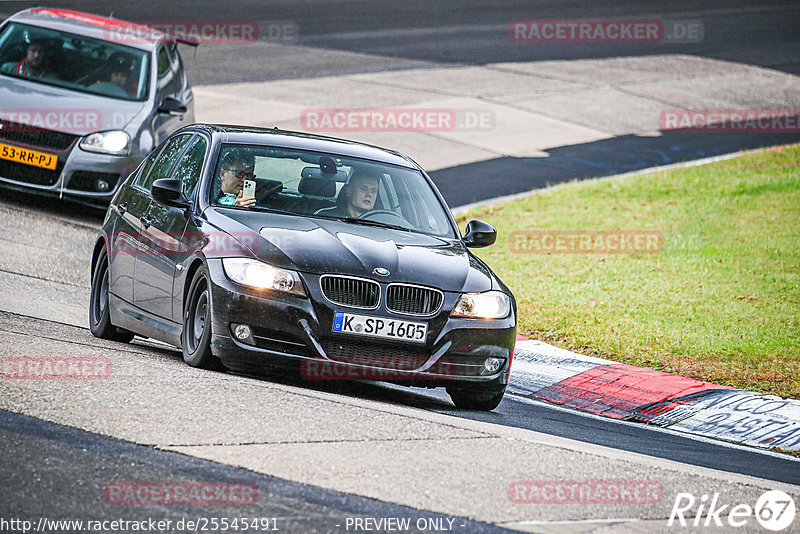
(260, 275)
(488, 305)
(110, 142)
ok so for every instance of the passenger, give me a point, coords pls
(236, 167)
(120, 73)
(116, 71)
(35, 64)
(361, 191)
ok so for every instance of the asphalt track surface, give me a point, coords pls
(57, 472)
(416, 33)
(41, 459)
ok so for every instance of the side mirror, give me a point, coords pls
(479, 234)
(169, 191)
(172, 106)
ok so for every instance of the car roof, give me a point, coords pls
(305, 141)
(94, 26)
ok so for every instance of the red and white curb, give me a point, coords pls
(544, 372)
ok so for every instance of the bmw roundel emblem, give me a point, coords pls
(380, 271)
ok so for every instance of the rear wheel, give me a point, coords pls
(99, 314)
(475, 400)
(196, 334)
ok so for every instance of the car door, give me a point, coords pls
(131, 204)
(170, 83)
(144, 289)
(163, 234)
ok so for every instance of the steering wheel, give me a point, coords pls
(385, 216)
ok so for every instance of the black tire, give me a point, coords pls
(99, 314)
(475, 400)
(196, 333)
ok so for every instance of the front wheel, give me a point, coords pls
(197, 318)
(475, 400)
(99, 314)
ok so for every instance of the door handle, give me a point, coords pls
(146, 222)
(122, 208)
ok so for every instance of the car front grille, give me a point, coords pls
(29, 174)
(381, 355)
(35, 137)
(353, 292)
(413, 300)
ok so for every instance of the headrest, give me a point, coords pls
(267, 188)
(318, 187)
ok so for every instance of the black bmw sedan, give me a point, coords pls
(252, 248)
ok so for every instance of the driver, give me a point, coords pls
(361, 192)
(35, 64)
(236, 167)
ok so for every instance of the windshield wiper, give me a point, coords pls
(272, 210)
(367, 222)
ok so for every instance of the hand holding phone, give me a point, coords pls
(249, 189)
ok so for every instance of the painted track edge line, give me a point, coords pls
(687, 404)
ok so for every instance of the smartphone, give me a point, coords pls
(249, 189)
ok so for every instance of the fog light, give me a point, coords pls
(243, 333)
(492, 365)
(103, 185)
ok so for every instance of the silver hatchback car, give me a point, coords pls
(83, 99)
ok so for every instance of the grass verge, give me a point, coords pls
(721, 300)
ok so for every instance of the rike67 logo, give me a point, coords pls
(774, 510)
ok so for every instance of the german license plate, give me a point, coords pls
(348, 323)
(28, 157)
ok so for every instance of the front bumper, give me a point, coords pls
(297, 332)
(76, 176)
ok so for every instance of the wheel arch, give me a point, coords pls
(101, 244)
(190, 272)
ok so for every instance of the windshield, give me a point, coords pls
(328, 186)
(73, 62)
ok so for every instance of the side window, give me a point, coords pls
(147, 164)
(163, 163)
(191, 165)
(165, 72)
(169, 62)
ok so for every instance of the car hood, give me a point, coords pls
(320, 246)
(62, 110)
